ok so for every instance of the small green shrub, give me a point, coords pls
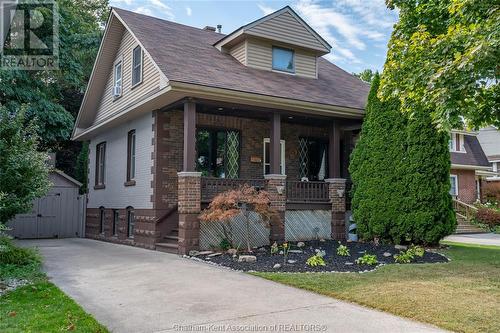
(316, 260)
(14, 255)
(404, 257)
(274, 248)
(367, 259)
(417, 251)
(342, 250)
(225, 244)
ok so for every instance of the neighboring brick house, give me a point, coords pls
(469, 166)
(176, 114)
(489, 138)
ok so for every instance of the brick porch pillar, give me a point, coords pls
(337, 188)
(276, 187)
(189, 192)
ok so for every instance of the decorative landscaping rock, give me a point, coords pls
(301, 244)
(295, 251)
(265, 262)
(232, 252)
(193, 253)
(400, 247)
(387, 254)
(247, 258)
(214, 255)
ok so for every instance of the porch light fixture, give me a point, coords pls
(220, 109)
(340, 193)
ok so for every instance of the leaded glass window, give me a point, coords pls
(218, 153)
(313, 159)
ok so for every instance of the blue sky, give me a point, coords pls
(358, 30)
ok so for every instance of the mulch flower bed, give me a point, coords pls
(296, 262)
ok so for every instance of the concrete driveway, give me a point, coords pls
(477, 239)
(135, 290)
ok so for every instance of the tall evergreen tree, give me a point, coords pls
(428, 207)
(377, 165)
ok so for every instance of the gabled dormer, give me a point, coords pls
(280, 42)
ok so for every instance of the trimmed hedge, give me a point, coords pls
(489, 217)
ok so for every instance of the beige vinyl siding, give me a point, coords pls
(260, 55)
(150, 81)
(239, 52)
(285, 28)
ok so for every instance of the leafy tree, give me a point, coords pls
(429, 214)
(366, 75)
(443, 55)
(377, 165)
(23, 170)
(54, 97)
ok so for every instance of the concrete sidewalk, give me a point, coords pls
(135, 290)
(478, 239)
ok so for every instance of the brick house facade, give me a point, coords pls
(209, 114)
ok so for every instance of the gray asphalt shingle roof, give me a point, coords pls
(473, 155)
(186, 54)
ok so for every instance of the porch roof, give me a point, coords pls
(186, 54)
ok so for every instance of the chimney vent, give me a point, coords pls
(209, 28)
(219, 28)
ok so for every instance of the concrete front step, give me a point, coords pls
(167, 247)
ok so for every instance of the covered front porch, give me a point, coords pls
(300, 159)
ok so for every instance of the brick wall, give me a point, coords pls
(145, 233)
(466, 185)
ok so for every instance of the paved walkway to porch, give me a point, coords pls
(135, 290)
(478, 239)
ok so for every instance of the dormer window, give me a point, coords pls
(456, 143)
(136, 66)
(283, 59)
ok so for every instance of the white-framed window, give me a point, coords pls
(117, 79)
(457, 143)
(136, 66)
(283, 59)
(454, 185)
(100, 164)
(131, 155)
(267, 156)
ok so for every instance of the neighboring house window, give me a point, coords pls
(313, 159)
(117, 86)
(218, 153)
(116, 220)
(131, 155)
(283, 59)
(102, 216)
(136, 66)
(454, 185)
(130, 222)
(457, 143)
(267, 156)
(100, 164)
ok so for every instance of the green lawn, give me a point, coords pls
(462, 295)
(42, 307)
(39, 306)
